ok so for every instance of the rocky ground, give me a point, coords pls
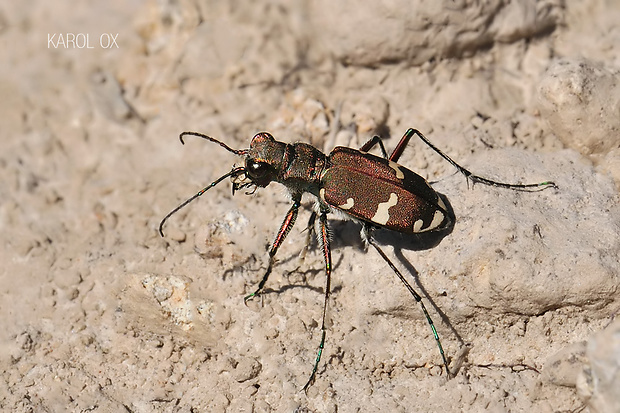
(102, 314)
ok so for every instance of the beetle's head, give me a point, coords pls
(263, 162)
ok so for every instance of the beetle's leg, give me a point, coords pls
(402, 144)
(367, 236)
(285, 228)
(327, 255)
(375, 140)
(398, 151)
(310, 229)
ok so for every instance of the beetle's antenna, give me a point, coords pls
(222, 144)
(235, 172)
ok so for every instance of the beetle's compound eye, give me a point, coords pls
(257, 170)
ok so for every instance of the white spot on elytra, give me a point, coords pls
(417, 226)
(437, 220)
(348, 205)
(382, 215)
(396, 167)
(441, 203)
(322, 194)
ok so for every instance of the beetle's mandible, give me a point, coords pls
(376, 191)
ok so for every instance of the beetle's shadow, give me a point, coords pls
(346, 233)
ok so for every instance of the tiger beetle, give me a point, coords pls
(375, 191)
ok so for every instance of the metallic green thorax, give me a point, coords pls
(297, 166)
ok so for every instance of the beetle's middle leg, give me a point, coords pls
(285, 228)
(323, 238)
(309, 235)
(372, 142)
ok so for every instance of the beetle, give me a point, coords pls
(375, 191)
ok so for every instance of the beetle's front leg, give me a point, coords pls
(285, 228)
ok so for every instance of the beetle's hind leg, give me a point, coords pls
(404, 141)
(396, 153)
(400, 148)
(367, 237)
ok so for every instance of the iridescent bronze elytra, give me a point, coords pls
(376, 191)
